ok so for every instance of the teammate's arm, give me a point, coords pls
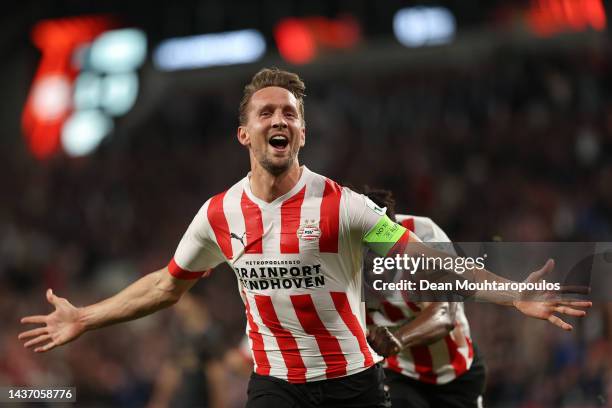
(66, 323)
(435, 321)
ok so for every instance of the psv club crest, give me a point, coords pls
(309, 231)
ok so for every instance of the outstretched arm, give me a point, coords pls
(149, 294)
(544, 305)
(389, 239)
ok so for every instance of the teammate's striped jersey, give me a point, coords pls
(298, 260)
(437, 363)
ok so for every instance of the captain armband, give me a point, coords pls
(384, 235)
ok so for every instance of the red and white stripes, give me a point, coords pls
(307, 341)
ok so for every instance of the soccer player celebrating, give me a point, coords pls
(294, 240)
(431, 358)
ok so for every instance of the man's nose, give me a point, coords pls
(278, 121)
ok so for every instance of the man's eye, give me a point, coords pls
(265, 113)
(290, 114)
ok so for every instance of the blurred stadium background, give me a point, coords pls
(118, 120)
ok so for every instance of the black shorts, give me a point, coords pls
(365, 389)
(463, 392)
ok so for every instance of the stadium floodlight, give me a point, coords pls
(119, 93)
(118, 51)
(419, 26)
(207, 50)
(84, 130)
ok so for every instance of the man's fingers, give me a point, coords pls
(570, 311)
(32, 333)
(559, 323)
(37, 340)
(46, 347)
(576, 303)
(34, 319)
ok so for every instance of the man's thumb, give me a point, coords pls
(51, 298)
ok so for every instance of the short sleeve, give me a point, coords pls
(362, 213)
(370, 222)
(197, 251)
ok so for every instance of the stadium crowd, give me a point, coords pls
(518, 147)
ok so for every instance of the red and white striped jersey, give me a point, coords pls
(437, 363)
(298, 261)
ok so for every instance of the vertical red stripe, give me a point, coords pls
(393, 364)
(423, 364)
(218, 222)
(350, 320)
(408, 223)
(330, 217)
(393, 312)
(253, 224)
(291, 211)
(456, 358)
(259, 352)
(296, 370)
(328, 344)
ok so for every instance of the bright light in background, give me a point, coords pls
(87, 75)
(118, 51)
(550, 17)
(301, 40)
(84, 130)
(295, 41)
(119, 93)
(87, 89)
(51, 97)
(233, 47)
(107, 86)
(418, 26)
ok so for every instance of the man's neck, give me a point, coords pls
(268, 187)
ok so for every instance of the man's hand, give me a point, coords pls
(60, 327)
(543, 305)
(383, 341)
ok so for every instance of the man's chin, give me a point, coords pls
(276, 167)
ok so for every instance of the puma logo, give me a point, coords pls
(239, 238)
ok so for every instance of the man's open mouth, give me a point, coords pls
(279, 141)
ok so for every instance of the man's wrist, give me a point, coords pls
(83, 318)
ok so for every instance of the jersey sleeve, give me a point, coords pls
(197, 251)
(370, 222)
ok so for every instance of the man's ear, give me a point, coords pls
(243, 136)
(302, 136)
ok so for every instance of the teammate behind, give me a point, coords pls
(294, 239)
(431, 358)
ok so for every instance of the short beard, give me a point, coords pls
(275, 169)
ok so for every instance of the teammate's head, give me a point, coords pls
(382, 198)
(271, 116)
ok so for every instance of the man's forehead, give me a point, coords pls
(273, 95)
